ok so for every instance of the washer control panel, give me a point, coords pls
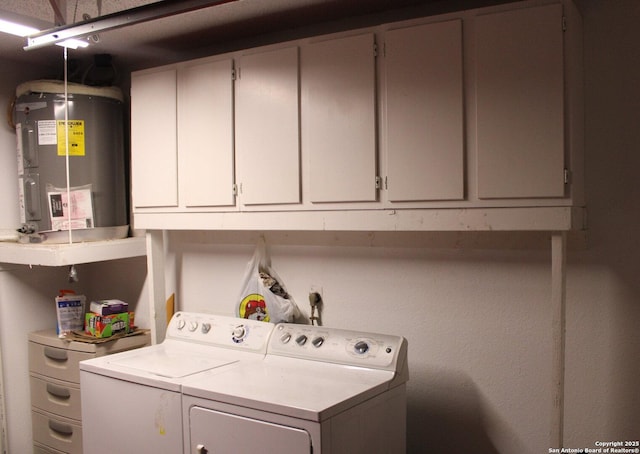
(220, 331)
(337, 346)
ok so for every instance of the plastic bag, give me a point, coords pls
(263, 296)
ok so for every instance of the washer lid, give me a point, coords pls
(170, 364)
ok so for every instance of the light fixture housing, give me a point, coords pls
(18, 27)
(144, 13)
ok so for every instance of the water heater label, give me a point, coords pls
(75, 129)
(70, 210)
(47, 132)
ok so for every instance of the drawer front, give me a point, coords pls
(56, 362)
(56, 397)
(59, 433)
(41, 449)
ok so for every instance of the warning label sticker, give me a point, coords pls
(75, 129)
(47, 132)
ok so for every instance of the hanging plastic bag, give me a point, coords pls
(263, 296)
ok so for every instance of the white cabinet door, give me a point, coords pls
(424, 112)
(338, 118)
(267, 127)
(205, 134)
(154, 161)
(520, 108)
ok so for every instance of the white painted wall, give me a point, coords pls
(603, 312)
(478, 320)
(478, 325)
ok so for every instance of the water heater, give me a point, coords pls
(71, 162)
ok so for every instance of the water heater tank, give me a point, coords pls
(90, 150)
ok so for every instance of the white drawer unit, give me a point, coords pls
(55, 386)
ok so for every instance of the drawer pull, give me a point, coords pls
(55, 354)
(58, 391)
(61, 428)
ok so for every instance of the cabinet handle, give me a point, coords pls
(200, 449)
(58, 391)
(61, 428)
(55, 354)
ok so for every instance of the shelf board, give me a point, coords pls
(408, 220)
(72, 254)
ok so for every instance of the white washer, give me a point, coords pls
(318, 390)
(132, 401)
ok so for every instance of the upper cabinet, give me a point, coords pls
(182, 136)
(469, 120)
(424, 112)
(520, 115)
(339, 118)
(268, 127)
(154, 158)
(205, 134)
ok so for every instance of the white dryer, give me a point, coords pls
(318, 390)
(132, 401)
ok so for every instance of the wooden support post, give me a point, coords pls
(558, 307)
(156, 285)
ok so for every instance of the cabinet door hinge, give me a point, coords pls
(378, 182)
(375, 50)
(233, 74)
(567, 176)
(234, 189)
(564, 23)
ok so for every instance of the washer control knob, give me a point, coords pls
(286, 337)
(361, 347)
(181, 324)
(239, 332)
(206, 327)
(318, 341)
(301, 340)
(193, 326)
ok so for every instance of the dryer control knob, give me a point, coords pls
(239, 331)
(193, 326)
(361, 347)
(286, 337)
(206, 327)
(318, 341)
(181, 324)
(301, 340)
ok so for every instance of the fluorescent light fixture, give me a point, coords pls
(17, 29)
(73, 43)
(124, 18)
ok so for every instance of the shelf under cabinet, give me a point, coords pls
(444, 220)
(72, 254)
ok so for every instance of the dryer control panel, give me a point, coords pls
(220, 331)
(318, 343)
